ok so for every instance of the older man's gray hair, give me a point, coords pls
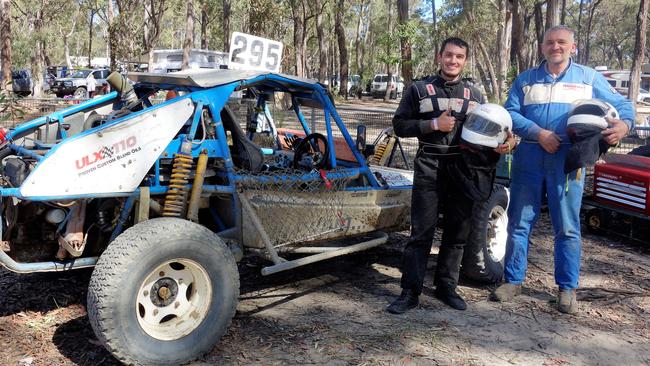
(560, 27)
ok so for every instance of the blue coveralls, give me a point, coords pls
(538, 101)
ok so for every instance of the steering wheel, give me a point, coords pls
(310, 146)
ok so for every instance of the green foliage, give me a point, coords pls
(10, 111)
(611, 38)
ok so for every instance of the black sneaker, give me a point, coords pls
(405, 302)
(451, 298)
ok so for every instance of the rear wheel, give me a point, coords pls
(486, 244)
(163, 292)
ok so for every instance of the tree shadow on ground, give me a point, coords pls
(42, 292)
(76, 341)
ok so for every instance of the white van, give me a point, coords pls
(172, 60)
(378, 88)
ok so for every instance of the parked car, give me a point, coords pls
(380, 82)
(77, 84)
(354, 85)
(23, 83)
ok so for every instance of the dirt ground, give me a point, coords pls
(332, 313)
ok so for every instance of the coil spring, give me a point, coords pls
(380, 149)
(176, 198)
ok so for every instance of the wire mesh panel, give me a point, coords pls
(294, 206)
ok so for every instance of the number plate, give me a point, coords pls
(248, 52)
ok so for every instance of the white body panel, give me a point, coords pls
(113, 159)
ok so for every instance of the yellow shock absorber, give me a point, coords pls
(380, 149)
(197, 187)
(383, 150)
(176, 198)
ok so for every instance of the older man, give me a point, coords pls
(539, 102)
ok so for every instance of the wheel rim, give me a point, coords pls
(79, 93)
(497, 233)
(594, 221)
(174, 299)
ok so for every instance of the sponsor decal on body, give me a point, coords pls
(107, 155)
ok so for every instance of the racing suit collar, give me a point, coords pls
(446, 82)
(543, 66)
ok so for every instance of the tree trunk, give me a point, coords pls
(204, 26)
(90, 35)
(489, 66)
(388, 65)
(112, 36)
(552, 13)
(37, 58)
(434, 27)
(322, 50)
(539, 29)
(297, 13)
(357, 39)
(563, 12)
(366, 39)
(503, 45)
(517, 36)
(639, 47)
(592, 10)
(619, 55)
(487, 63)
(226, 26)
(189, 33)
(343, 49)
(407, 64)
(5, 46)
(579, 31)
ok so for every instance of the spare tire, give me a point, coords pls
(486, 243)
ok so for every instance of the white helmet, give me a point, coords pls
(487, 126)
(591, 113)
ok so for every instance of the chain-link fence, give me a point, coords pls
(17, 110)
(14, 111)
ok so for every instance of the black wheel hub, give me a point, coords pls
(163, 292)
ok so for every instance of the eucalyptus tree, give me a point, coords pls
(639, 49)
(189, 34)
(5, 45)
(343, 50)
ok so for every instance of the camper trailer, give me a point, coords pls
(620, 80)
(171, 60)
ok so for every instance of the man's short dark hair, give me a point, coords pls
(455, 41)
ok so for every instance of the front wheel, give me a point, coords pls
(486, 244)
(80, 93)
(163, 293)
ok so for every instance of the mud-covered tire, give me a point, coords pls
(120, 311)
(486, 243)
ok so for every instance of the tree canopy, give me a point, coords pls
(326, 38)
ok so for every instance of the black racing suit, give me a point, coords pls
(423, 101)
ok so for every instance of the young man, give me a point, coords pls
(539, 102)
(433, 110)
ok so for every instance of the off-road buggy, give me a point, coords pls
(164, 198)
